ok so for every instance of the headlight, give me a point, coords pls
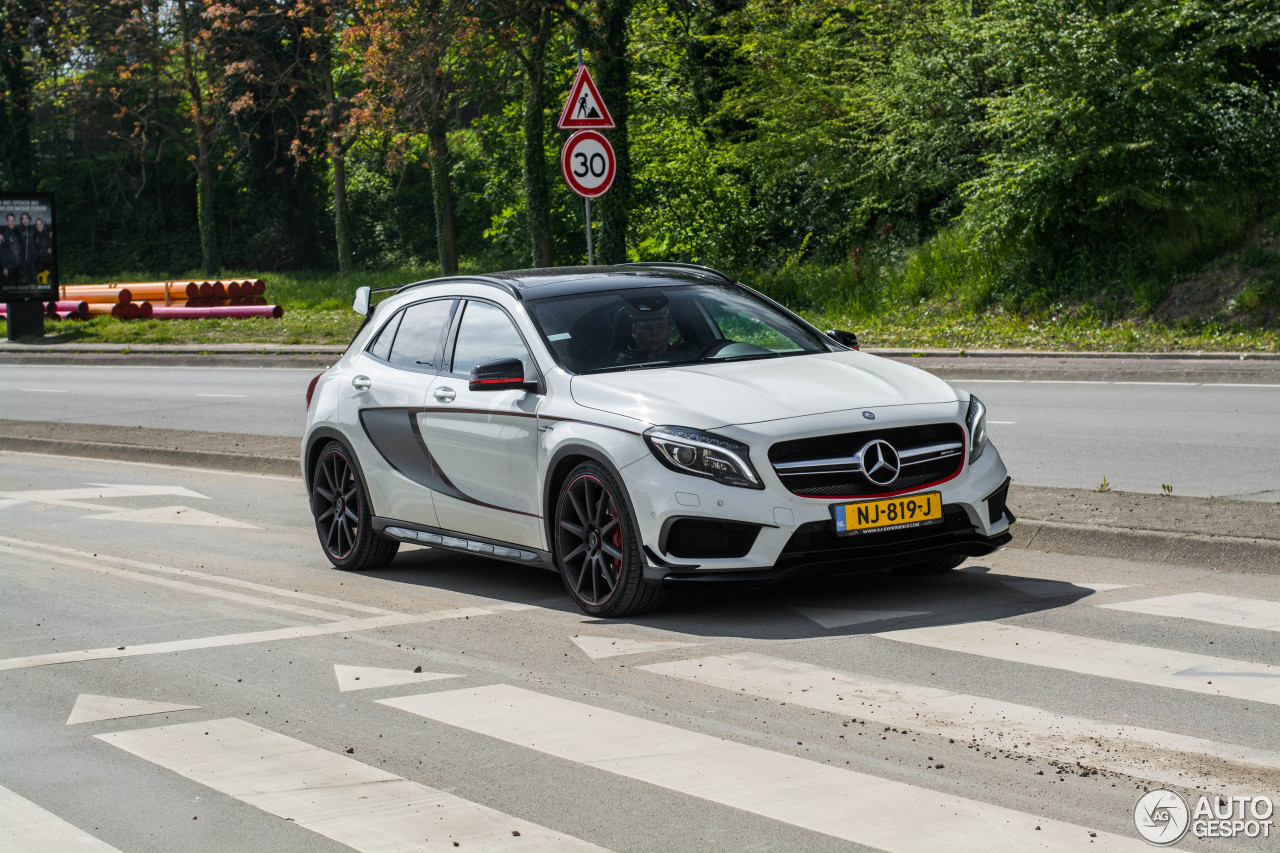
(702, 454)
(976, 420)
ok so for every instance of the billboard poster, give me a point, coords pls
(28, 248)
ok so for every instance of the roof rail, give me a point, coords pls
(493, 281)
(680, 266)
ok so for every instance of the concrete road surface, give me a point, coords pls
(1138, 430)
(181, 670)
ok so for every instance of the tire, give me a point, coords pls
(597, 548)
(936, 566)
(343, 518)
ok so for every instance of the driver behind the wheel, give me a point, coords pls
(645, 326)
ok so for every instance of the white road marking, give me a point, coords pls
(1143, 753)
(222, 395)
(27, 828)
(829, 617)
(853, 806)
(75, 497)
(1189, 384)
(340, 798)
(270, 636)
(184, 586)
(1003, 423)
(1045, 588)
(193, 574)
(1258, 682)
(607, 647)
(90, 708)
(368, 677)
(171, 515)
(1206, 607)
(44, 390)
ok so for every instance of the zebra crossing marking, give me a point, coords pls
(27, 828)
(1140, 752)
(1258, 682)
(892, 816)
(340, 798)
(1207, 607)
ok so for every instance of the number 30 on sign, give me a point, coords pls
(587, 163)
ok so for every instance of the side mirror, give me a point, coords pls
(848, 339)
(503, 374)
(361, 305)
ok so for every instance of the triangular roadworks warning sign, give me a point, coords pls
(585, 108)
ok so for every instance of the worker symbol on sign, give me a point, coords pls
(585, 108)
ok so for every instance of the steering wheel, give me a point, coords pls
(714, 348)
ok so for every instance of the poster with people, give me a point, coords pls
(28, 248)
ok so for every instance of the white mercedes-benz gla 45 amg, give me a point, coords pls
(638, 426)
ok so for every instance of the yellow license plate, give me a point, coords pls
(888, 513)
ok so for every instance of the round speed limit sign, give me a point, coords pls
(587, 163)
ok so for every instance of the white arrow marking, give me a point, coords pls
(367, 677)
(170, 515)
(100, 490)
(829, 618)
(608, 647)
(90, 708)
(74, 498)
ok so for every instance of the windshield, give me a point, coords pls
(663, 326)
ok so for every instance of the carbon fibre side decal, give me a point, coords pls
(397, 437)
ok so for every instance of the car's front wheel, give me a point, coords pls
(343, 518)
(597, 548)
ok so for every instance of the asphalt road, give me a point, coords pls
(1137, 430)
(1022, 703)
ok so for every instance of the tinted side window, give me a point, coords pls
(381, 346)
(417, 342)
(485, 334)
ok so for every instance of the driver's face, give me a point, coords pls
(652, 335)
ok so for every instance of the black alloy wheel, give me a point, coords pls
(343, 519)
(596, 546)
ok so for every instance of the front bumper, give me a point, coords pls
(795, 536)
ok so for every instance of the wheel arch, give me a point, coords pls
(316, 442)
(565, 459)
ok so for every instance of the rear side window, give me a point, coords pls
(381, 346)
(417, 342)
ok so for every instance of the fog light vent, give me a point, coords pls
(996, 502)
(704, 538)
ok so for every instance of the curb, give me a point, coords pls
(1221, 553)
(1197, 550)
(178, 457)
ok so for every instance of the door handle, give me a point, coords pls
(360, 383)
(444, 395)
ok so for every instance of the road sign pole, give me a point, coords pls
(591, 260)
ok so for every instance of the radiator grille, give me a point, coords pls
(851, 482)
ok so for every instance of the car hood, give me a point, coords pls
(710, 395)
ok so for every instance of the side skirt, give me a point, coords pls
(435, 537)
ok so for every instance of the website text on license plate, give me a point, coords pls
(888, 513)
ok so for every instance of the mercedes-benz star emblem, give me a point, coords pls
(880, 462)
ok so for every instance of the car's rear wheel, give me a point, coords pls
(597, 548)
(933, 567)
(343, 518)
